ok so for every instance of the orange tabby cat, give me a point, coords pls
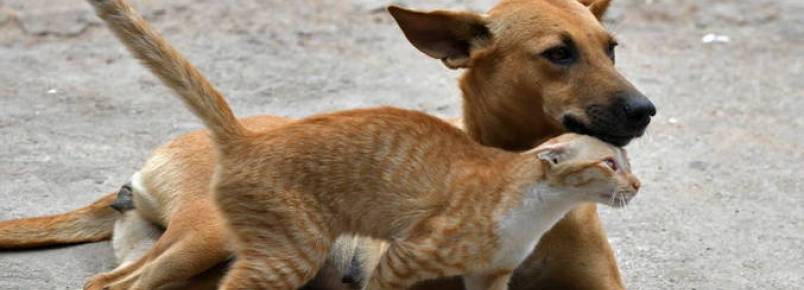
(448, 205)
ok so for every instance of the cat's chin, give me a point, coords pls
(614, 199)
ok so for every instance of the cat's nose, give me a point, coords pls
(635, 184)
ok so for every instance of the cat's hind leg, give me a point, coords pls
(408, 262)
(281, 242)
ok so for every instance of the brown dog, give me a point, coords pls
(534, 69)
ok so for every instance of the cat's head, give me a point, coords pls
(593, 170)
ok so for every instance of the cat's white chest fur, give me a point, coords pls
(522, 226)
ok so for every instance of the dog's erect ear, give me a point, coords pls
(598, 7)
(448, 36)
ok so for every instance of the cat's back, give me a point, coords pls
(381, 142)
(370, 129)
(402, 123)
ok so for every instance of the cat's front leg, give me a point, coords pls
(496, 280)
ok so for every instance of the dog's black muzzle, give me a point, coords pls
(617, 123)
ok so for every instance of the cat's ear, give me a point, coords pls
(553, 154)
(452, 37)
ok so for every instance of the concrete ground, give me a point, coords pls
(722, 205)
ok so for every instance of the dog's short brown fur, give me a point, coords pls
(517, 91)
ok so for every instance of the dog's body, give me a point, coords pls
(534, 69)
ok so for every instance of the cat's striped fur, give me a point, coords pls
(448, 205)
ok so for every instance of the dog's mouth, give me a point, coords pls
(615, 137)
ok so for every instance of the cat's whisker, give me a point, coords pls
(612, 198)
(624, 201)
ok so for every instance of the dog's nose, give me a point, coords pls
(638, 110)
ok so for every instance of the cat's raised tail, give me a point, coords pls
(171, 67)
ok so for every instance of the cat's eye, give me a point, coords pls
(610, 163)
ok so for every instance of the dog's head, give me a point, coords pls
(539, 61)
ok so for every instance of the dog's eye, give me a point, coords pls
(610, 163)
(610, 50)
(561, 55)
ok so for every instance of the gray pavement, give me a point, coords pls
(722, 165)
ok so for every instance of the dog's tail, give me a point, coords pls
(88, 224)
(171, 67)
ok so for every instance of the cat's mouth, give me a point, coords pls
(616, 199)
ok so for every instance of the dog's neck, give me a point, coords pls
(502, 116)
